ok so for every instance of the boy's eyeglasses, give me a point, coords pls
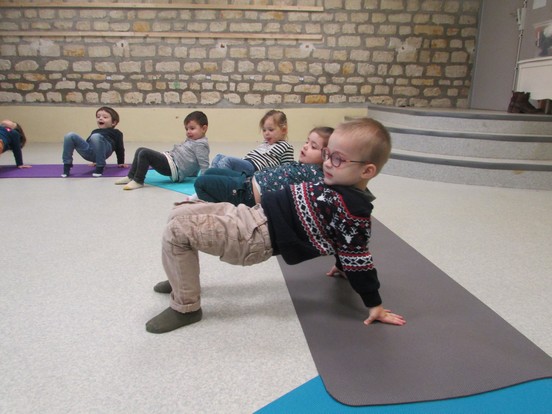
(336, 159)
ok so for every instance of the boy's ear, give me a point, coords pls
(369, 171)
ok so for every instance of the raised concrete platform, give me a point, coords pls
(469, 146)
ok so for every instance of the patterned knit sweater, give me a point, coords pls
(312, 219)
(273, 179)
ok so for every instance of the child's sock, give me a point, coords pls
(124, 180)
(98, 172)
(66, 170)
(132, 185)
(163, 287)
(187, 199)
(169, 320)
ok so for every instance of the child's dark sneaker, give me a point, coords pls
(163, 287)
(98, 172)
(169, 320)
(66, 170)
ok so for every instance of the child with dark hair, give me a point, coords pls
(99, 146)
(184, 160)
(12, 138)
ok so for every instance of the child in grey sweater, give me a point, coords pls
(184, 160)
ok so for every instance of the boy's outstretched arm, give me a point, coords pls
(379, 313)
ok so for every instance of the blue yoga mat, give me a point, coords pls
(159, 180)
(311, 397)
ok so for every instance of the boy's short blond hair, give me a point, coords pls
(373, 138)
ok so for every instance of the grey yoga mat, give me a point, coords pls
(453, 345)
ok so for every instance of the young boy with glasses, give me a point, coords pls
(300, 222)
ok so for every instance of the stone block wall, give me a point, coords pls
(393, 52)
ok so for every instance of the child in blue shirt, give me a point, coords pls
(12, 138)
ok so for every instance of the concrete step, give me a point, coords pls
(469, 146)
(463, 120)
(473, 162)
(461, 170)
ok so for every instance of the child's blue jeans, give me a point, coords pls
(233, 163)
(96, 149)
(221, 184)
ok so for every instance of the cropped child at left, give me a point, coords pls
(12, 138)
(98, 147)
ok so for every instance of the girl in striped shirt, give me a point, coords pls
(274, 151)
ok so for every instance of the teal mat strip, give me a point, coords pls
(158, 180)
(533, 397)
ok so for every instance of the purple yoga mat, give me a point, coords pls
(55, 170)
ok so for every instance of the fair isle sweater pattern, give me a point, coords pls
(331, 228)
(274, 179)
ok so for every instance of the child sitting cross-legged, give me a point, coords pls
(299, 222)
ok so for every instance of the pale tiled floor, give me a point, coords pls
(79, 258)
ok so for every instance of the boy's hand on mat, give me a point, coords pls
(24, 166)
(378, 313)
(335, 272)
